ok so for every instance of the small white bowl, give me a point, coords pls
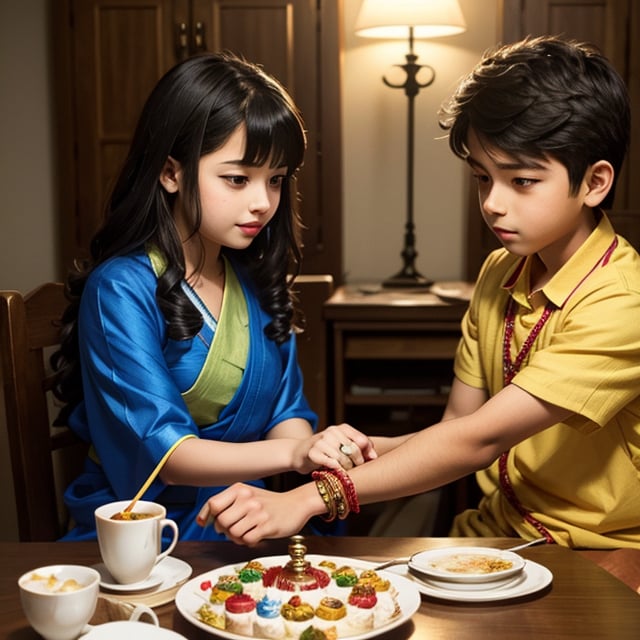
(470, 565)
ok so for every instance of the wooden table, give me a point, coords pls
(584, 601)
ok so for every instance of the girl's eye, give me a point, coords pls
(236, 181)
(276, 181)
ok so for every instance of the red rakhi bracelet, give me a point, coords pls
(347, 485)
(349, 489)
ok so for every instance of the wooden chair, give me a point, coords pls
(43, 458)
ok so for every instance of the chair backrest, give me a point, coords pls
(43, 458)
(313, 291)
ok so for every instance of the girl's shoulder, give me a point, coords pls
(128, 275)
(124, 268)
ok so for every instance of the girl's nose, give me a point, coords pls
(259, 202)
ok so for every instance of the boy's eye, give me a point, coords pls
(481, 177)
(524, 182)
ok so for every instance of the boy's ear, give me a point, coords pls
(599, 179)
(170, 175)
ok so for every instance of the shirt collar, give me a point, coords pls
(562, 285)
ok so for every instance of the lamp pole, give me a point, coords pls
(408, 276)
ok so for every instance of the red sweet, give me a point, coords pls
(363, 596)
(240, 603)
(206, 585)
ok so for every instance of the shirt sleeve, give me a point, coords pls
(134, 410)
(591, 364)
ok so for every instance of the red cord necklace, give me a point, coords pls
(511, 367)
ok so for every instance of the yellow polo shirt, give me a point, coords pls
(580, 479)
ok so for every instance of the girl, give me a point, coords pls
(179, 358)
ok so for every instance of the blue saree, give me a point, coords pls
(135, 380)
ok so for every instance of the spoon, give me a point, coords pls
(397, 561)
(144, 487)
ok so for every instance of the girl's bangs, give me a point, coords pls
(277, 138)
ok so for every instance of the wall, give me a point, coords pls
(375, 149)
(27, 239)
(374, 120)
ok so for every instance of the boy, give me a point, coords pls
(545, 398)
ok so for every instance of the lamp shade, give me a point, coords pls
(392, 18)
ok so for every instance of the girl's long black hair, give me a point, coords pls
(191, 112)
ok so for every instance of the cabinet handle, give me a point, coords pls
(199, 39)
(182, 41)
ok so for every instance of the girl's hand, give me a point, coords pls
(247, 514)
(334, 447)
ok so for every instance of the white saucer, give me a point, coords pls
(108, 582)
(534, 577)
(166, 574)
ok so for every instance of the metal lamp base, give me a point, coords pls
(406, 280)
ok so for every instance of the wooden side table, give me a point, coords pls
(391, 366)
(392, 355)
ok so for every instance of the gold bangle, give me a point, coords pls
(338, 495)
(326, 498)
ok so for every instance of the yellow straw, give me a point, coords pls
(152, 476)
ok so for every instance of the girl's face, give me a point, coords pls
(237, 200)
(528, 205)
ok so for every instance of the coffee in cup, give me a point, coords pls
(131, 547)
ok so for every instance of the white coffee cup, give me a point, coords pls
(131, 548)
(58, 614)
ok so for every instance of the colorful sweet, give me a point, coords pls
(330, 615)
(360, 605)
(207, 615)
(297, 615)
(251, 578)
(240, 614)
(269, 623)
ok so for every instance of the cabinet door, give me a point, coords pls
(284, 37)
(110, 53)
(120, 51)
(613, 26)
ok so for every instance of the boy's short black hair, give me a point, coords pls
(542, 97)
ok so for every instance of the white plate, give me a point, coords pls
(127, 629)
(166, 574)
(455, 564)
(189, 600)
(534, 577)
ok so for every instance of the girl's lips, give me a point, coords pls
(250, 229)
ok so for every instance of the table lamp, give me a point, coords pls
(409, 19)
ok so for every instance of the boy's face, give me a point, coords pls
(527, 203)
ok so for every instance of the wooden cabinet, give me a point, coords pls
(613, 26)
(392, 362)
(110, 53)
(391, 367)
